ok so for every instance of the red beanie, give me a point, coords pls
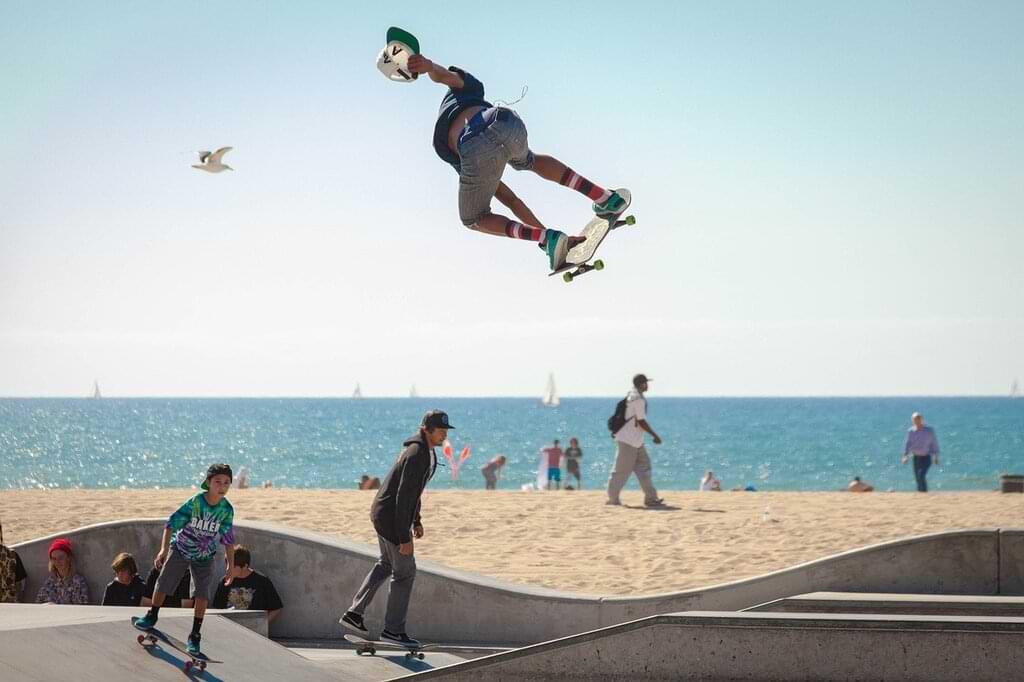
(61, 544)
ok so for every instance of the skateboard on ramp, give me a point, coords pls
(577, 261)
(370, 646)
(153, 637)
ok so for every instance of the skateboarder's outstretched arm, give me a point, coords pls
(420, 64)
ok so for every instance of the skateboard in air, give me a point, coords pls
(152, 637)
(370, 646)
(577, 261)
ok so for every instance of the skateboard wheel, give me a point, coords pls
(630, 220)
(420, 656)
(567, 277)
(599, 265)
(188, 666)
(140, 639)
(202, 666)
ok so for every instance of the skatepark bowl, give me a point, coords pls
(934, 607)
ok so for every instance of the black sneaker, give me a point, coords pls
(656, 502)
(353, 621)
(400, 638)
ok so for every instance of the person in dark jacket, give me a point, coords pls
(396, 518)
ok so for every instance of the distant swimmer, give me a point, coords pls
(211, 161)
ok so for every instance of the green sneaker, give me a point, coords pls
(556, 246)
(193, 645)
(615, 204)
(147, 622)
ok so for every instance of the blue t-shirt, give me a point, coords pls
(455, 102)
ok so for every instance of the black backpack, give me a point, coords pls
(618, 419)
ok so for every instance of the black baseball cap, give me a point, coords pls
(640, 379)
(436, 419)
(214, 470)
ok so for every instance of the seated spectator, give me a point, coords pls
(127, 588)
(859, 486)
(249, 590)
(709, 483)
(182, 597)
(367, 483)
(64, 585)
(12, 573)
(491, 471)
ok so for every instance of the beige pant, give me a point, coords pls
(630, 460)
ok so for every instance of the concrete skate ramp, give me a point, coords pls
(317, 574)
(719, 646)
(88, 644)
(905, 604)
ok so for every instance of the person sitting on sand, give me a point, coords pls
(491, 471)
(859, 486)
(709, 483)
(127, 588)
(249, 590)
(367, 483)
(64, 585)
(242, 478)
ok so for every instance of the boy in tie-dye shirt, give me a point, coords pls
(192, 534)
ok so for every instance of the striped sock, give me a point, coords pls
(521, 231)
(584, 186)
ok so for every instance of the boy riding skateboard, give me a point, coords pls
(478, 139)
(193, 532)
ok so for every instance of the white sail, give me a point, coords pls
(96, 389)
(550, 393)
(358, 393)
(1015, 389)
(413, 393)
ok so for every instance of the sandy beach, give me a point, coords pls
(571, 540)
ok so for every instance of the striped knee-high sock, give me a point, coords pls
(579, 183)
(520, 231)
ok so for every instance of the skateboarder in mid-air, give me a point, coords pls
(478, 139)
(193, 532)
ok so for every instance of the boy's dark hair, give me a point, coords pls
(242, 556)
(124, 562)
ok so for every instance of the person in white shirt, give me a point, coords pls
(709, 483)
(630, 454)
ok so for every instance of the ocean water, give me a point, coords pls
(771, 443)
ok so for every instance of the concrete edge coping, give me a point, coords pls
(365, 551)
(740, 620)
(904, 598)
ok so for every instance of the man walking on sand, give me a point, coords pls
(630, 454)
(924, 446)
(396, 518)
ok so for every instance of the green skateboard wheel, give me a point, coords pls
(599, 265)
(630, 220)
(567, 277)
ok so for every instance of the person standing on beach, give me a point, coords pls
(490, 472)
(193, 533)
(553, 458)
(573, 455)
(924, 446)
(630, 454)
(396, 518)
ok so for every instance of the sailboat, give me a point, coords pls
(413, 393)
(1015, 389)
(358, 393)
(550, 398)
(96, 389)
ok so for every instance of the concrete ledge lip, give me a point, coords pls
(895, 597)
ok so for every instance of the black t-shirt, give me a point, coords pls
(173, 600)
(118, 594)
(256, 592)
(19, 569)
(455, 102)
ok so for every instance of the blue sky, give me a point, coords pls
(829, 200)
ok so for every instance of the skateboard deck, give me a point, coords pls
(153, 636)
(370, 646)
(577, 261)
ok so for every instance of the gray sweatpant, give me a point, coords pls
(402, 570)
(629, 460)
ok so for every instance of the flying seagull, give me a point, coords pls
(211, 161)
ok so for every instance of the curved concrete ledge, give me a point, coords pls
(317, 575)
